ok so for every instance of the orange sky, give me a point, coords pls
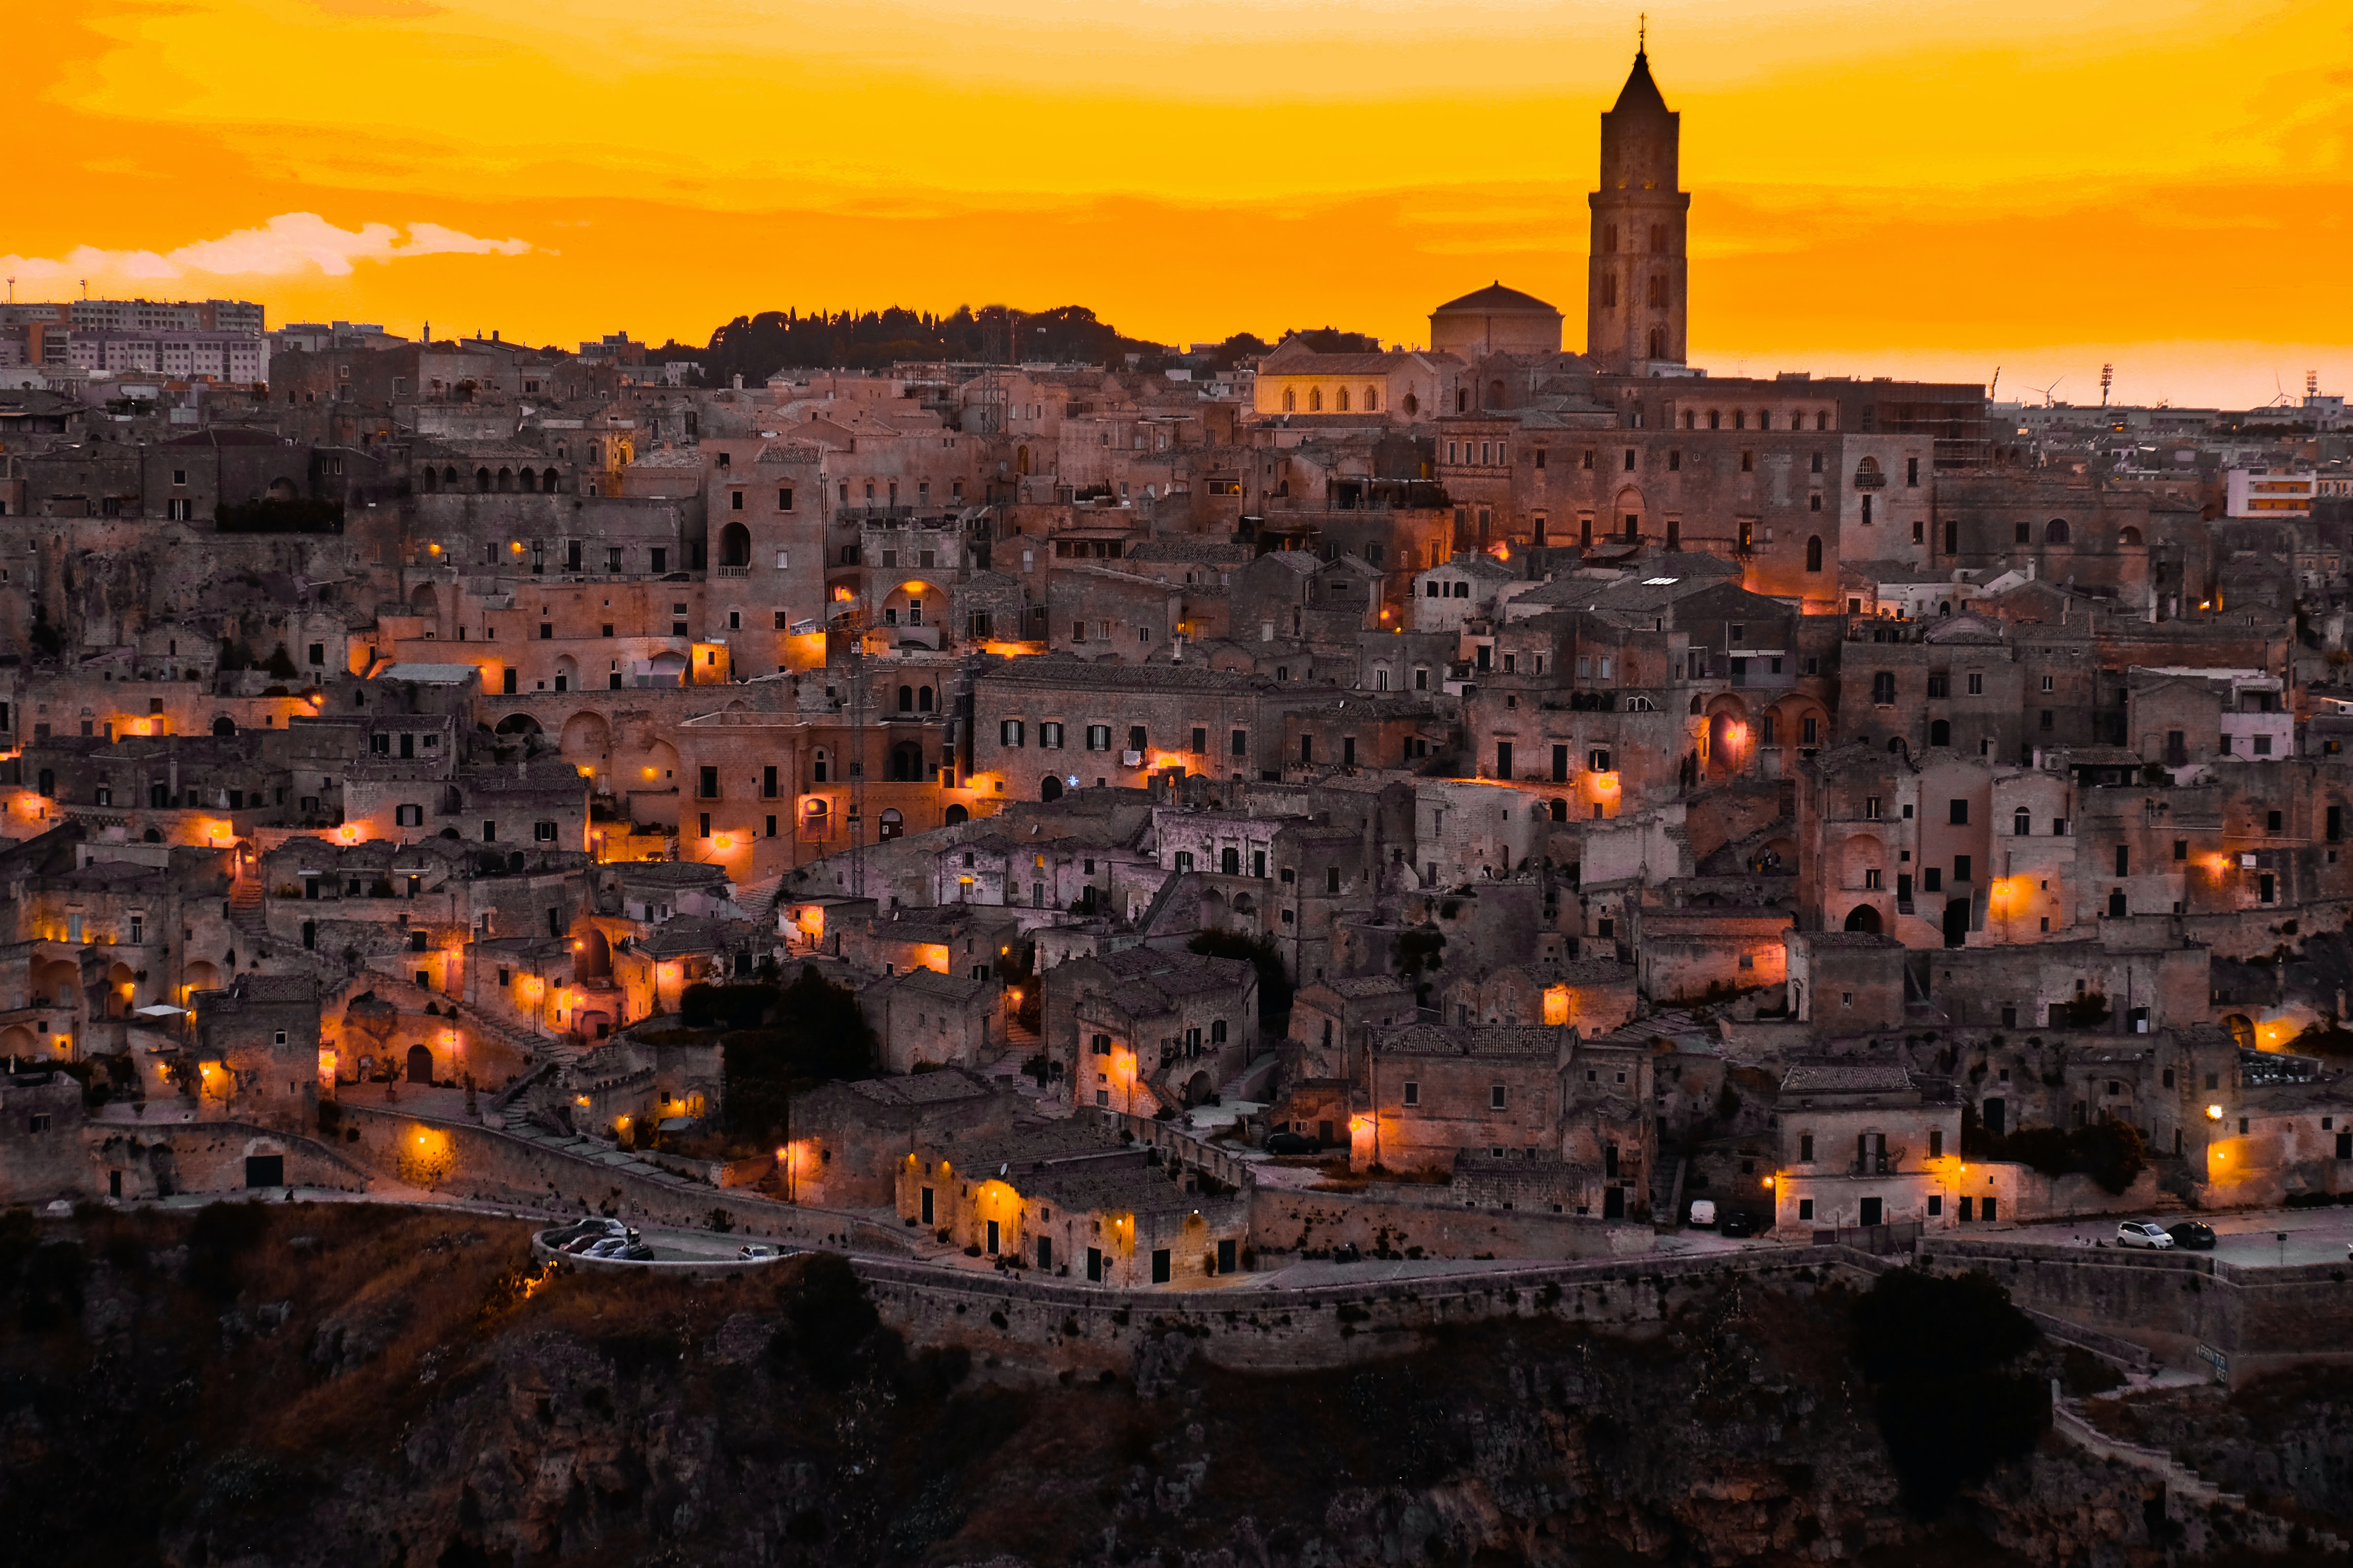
(1931, 187)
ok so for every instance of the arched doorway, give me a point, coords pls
(1862, 918)
(517, 724)
(223, 727)
(893, 824)
(198, 976)
(956, 815)
(1050, 788)
(586, 742)
(907, 762)
(734, 545)
(2242, 1030)
(420, 1065)
(120, 984)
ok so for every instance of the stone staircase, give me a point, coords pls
(2186, 1488)
(247, 914)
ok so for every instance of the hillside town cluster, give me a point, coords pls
(1650, 785)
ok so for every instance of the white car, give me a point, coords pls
(754, 1252)
(2143, 1232)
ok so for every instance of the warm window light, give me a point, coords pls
(433, 549)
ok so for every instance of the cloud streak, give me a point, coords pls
(287, 244)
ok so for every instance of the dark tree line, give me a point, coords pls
(757, 347)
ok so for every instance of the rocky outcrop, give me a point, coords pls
(328, 1386)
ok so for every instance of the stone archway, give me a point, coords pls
(1864, 918)
(586, 742)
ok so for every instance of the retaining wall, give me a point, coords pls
(2260, 1319)
(1270, 1329)
(497, 1165)
(1291, 1220)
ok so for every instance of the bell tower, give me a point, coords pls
(1636, 297)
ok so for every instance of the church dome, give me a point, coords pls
(1492, 320)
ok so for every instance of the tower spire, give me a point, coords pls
(1642, 33)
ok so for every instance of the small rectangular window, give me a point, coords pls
(1412, 1092)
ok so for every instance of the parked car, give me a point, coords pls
(633, 1252)
(752, 1252)
(1292, 1144)
(611, 1247)
(580, 1246)
(594, 1229)
(2144, 1233)
(1738, 1223)
(2193, 1234)
(1702, 1213)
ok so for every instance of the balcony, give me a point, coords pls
(731, 571)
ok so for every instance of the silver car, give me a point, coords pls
(2143, 1232)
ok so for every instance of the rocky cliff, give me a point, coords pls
(349, 1384)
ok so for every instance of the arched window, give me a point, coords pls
(2021, 822)
(923, 700)
(449, 478)
(593, 458)
(1658, 291)
(506, 479)
(893, 824)
(1050, 788)
(1314, 400)
(1862, 918)
(2055, 531)
(1495, 394)
(906, 700)
(1289, 400)
(1941, 733)
(482, 479)
(1461, 400)
(430, 478)
(1609, 290)
(1739, 419)
(1814, 554)
(1412, 404)
(1340, 403)
(547, 482)
(956, 815)
(529, 477)
(1372, 400)
(1559, 810)
(1715, 419)
(2129, 536)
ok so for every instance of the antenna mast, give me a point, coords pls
(2107, 375)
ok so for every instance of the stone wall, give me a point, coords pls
(1287, 1220)
(1145, 1332)
(2260, 1319)
(157, 1160)
(472, 1160)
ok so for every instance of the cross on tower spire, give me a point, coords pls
(1642, 32)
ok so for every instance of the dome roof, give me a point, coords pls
(1494, 299)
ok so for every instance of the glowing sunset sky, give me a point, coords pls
(1930, 187)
